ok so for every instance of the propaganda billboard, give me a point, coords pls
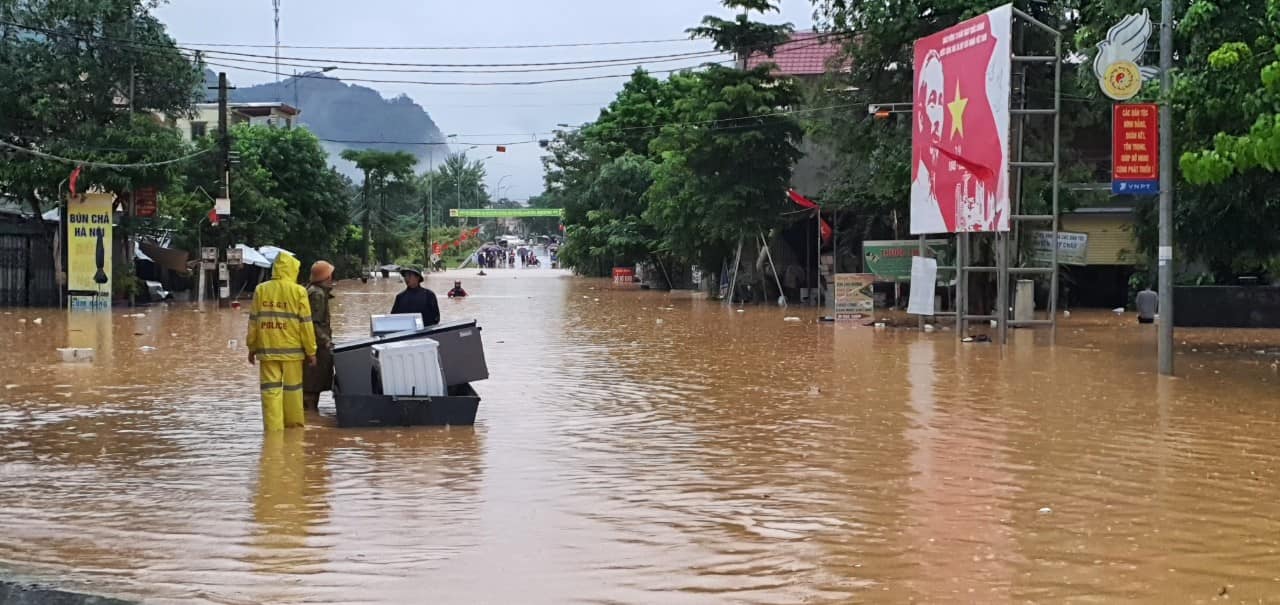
(960, 127)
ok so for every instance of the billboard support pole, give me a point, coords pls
(920, 318)
(962, 284)
(1008, 247)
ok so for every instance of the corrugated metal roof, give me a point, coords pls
(806, 54)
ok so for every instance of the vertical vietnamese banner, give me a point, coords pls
(960, 129)
(88, 236)
(1135, 143)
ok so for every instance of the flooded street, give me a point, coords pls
(635, 447)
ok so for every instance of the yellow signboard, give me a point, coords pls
(89, 249)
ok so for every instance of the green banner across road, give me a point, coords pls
(503, 212)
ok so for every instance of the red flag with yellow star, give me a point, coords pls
(960, 122)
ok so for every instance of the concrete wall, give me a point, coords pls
(1226, 306)
(812, 173)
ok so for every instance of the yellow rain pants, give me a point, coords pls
(281, 394)
(281, 337)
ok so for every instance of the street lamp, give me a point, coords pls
(298, 76)
(457, 181)
(498, 189)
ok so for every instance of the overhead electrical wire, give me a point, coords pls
(629, 128)
(801, 44)
(324, 61)
(429, 143)
(331, 61)
(475, 47)
(204, 55)
(96, 164)
(430, 83)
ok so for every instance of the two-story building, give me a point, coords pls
(205, 119)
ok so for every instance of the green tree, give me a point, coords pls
(283, 193)
(742, 36)
(461, 183)
(65, 90)
(1226, 99)
(724, 167)
(609, 227)
(388, 176)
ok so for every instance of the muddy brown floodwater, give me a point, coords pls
(633, 447)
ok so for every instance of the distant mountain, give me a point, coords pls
(348, 112)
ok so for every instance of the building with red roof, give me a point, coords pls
(806, 54)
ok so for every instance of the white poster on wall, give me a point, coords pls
(924, 276)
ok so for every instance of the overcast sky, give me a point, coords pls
(480, 114)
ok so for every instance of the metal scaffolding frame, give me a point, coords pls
(1006, 243)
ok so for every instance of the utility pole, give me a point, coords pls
(224, 157)
(431, 203)
(1165, 252)
(224, 139)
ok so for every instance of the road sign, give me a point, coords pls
(144, 202)
(1073, 248)
(1135, 155)
(503, 212)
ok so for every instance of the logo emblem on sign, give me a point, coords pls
(1122, 80)
(1118, 64)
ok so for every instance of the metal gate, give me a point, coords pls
(27, 276)
(13, 270)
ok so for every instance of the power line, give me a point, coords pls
(95, 164)
(427, 143)
(807, 43)
(429, 83)
(462, 71)
(225, 55)
(476, 47)
(720, 120)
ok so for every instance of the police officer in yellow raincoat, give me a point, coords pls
(280, 338)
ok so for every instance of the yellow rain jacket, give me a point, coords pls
(280, 324)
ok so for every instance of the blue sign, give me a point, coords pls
(1148, 187)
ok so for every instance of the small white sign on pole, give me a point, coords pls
(924, 278)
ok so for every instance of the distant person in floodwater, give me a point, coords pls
(319, 377)
(457, 291)
(1148, 303)
(416, 299)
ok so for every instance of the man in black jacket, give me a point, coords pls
(416, 299)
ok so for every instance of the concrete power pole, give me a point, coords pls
(1165, 252)
(224, 160)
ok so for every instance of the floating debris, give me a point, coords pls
(791, 318)
(74, 355)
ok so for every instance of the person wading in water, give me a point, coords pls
(319, 377)
(280, 338)
(416, 299)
